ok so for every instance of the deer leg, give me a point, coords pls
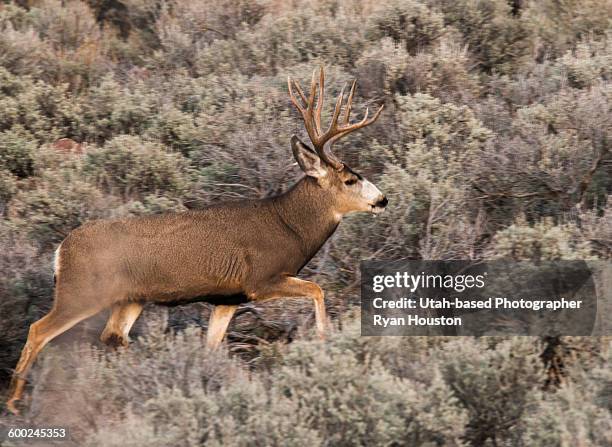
(291, 287)
(218, 323)
(41, 332)
(122, 318)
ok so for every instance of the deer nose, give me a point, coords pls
(383, 202)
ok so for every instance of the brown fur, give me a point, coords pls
(183, 256)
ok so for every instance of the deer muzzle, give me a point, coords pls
(380, 205)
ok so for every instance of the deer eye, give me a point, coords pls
(350, 181)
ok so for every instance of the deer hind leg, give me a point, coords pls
(291, 287)
(218, 323)
(42, 332)
(122, 318)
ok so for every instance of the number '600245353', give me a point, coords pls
(36, 433)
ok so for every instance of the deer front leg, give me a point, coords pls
(291, 287)
(217, 326)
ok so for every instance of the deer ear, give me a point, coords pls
(308, 159)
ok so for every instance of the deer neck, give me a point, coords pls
(307, 210)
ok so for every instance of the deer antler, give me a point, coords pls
(311, 114)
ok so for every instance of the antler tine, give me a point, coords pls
(349, 103)
(313, 91)
(333, 126)
(292, 96)
(298, 87)
(365, 121)
(319, 107)
(365, 116)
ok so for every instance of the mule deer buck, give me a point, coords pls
(244, 251)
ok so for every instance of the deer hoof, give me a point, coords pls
(12, 407)
(114, 341)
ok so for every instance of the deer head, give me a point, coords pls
(349, 189)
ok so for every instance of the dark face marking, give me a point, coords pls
(356, 174)
(350, 177)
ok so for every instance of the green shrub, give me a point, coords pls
(112, 109)
(579, 413)
(596, 227)
(21, 49)
(243, 415)
(56, 205)
(558, 25)
(8, 187)
(130, 167)
(454, 130)
(17, 149)
(495, 385)
(567, 420)
(350, 390)
(189, 32)
(497, 38)
(56, 42)
(566, 140)
(589, 63)
(361, 403)
(445, 72)
(327, 33)
(44, 110)
(409, 23)
(69, 25)
(543, 240)
(175, 391)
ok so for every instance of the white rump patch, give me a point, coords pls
(56, 260)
